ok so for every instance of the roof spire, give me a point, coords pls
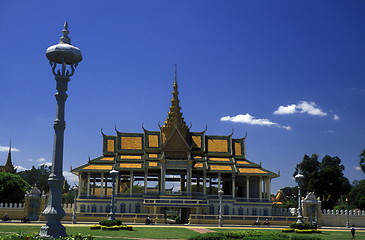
(65, 32)
(175, 118)
(9, 167)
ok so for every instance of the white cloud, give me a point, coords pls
(20, 168)
(48, 164)
(290, 109)
(336, 117)
(310, 108)
(41, 160)
(6, 149)
(357, 168)
(71, 178)
(248, 119)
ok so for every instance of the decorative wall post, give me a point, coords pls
(66, 55)
(299, 179)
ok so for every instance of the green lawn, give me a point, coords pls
(161, 232)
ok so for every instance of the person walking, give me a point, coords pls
(353, 230)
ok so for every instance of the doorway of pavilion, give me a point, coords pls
(174, 215)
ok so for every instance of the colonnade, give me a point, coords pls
(236, 186)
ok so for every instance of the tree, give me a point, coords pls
(325, 179)
(12, 188)
(309, 167)
(357, 194)
(38, 176)
(362, 160)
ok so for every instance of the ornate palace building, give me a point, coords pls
(173, 170)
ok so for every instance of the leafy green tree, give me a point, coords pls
(291, 196)
(38, 176)
(309, 168)
(12, 188)
(362, 160)
(326, 179)
(357, 194)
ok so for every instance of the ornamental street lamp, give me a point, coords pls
(114, 174)
(220, 218)
(74, 217)
(347, 213)
(67, 56)
(299, 179)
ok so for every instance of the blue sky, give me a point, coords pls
(289, 73)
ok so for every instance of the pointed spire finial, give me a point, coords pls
(65, 39)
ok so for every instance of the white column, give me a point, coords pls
(260, 188)
(145, 181)
(205, 182)
(88, 184)
(268, 189)
(219, 182)
(131, 184)
(80, 184)
(248, 188)
(101, 184)
(233, 185)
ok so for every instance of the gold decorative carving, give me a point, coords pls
(153, 155)
(220, 167)
(220, 159)
(152, 164)
(130, 165)
(217, 145)
(198, 165)
(130, 157)
(131, 143)
(251, 170)
(197, 141)
(198, 157)
(238, 148)
(98, 167)
(242, 162)
(153, 141)
(110, 145)
(107, 159)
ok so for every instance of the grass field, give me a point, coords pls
(160, 232)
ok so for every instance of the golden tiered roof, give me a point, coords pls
(174, 141)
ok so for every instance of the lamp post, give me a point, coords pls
(220, 218)
(67, 56)
(347, 213)
(114, 174)
(75, 191)
(299, 179)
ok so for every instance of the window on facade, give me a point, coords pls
(107, 209)
(93, 208)
(226, 210)
(82, 208)
(266, 212)
(211, 209)
(254, 211)
(101, 209)
(138, 208)
(122, 208)
(88, 208)
(240, 211)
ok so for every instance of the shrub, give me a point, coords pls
(110, 222)
(301, 226)
(35, 236)
(305, 238)
(287, 230)
(93, 227)
(307, 231)
(244, 235)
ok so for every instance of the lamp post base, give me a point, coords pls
(53, 228)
